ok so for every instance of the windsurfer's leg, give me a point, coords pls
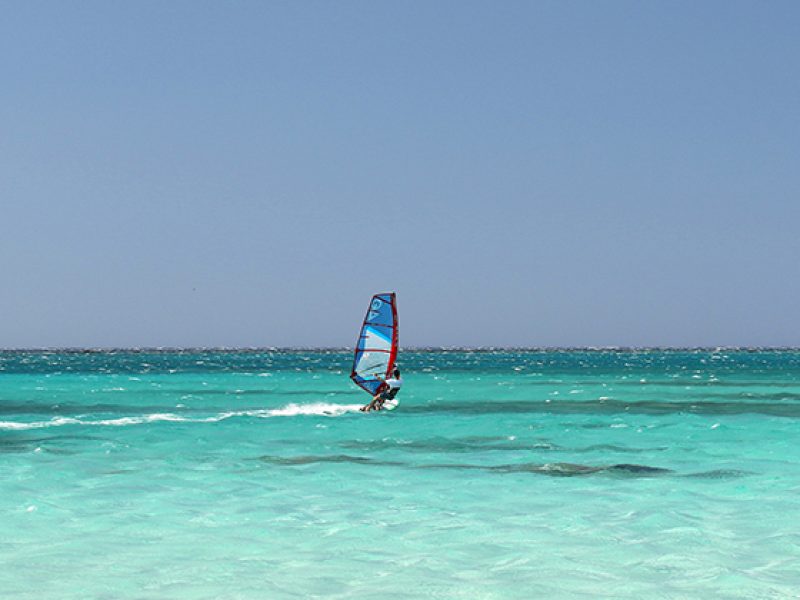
(372, 403)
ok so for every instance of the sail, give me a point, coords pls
(376, 348)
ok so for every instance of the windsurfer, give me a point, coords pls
(387, 391)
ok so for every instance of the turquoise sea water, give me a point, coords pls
(503, 474)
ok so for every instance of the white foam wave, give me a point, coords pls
(290, 410)
(320, 409)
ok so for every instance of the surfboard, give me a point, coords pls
(377, 345)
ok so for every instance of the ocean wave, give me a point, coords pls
(319, 409)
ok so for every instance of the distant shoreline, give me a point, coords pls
(419, 349)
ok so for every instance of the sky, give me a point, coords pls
(193, 173)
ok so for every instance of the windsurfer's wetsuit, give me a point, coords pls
(392, 386)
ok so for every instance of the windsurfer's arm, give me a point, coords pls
(382, 387)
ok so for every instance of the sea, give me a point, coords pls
(251, 474)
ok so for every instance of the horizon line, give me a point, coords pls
(489, 348)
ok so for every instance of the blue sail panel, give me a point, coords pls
(376, 348)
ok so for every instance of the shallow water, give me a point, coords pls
(563, 474)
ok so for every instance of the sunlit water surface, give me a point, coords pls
(503, 474)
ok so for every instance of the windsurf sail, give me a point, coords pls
(376, 348)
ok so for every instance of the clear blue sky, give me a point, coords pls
(521, 173)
